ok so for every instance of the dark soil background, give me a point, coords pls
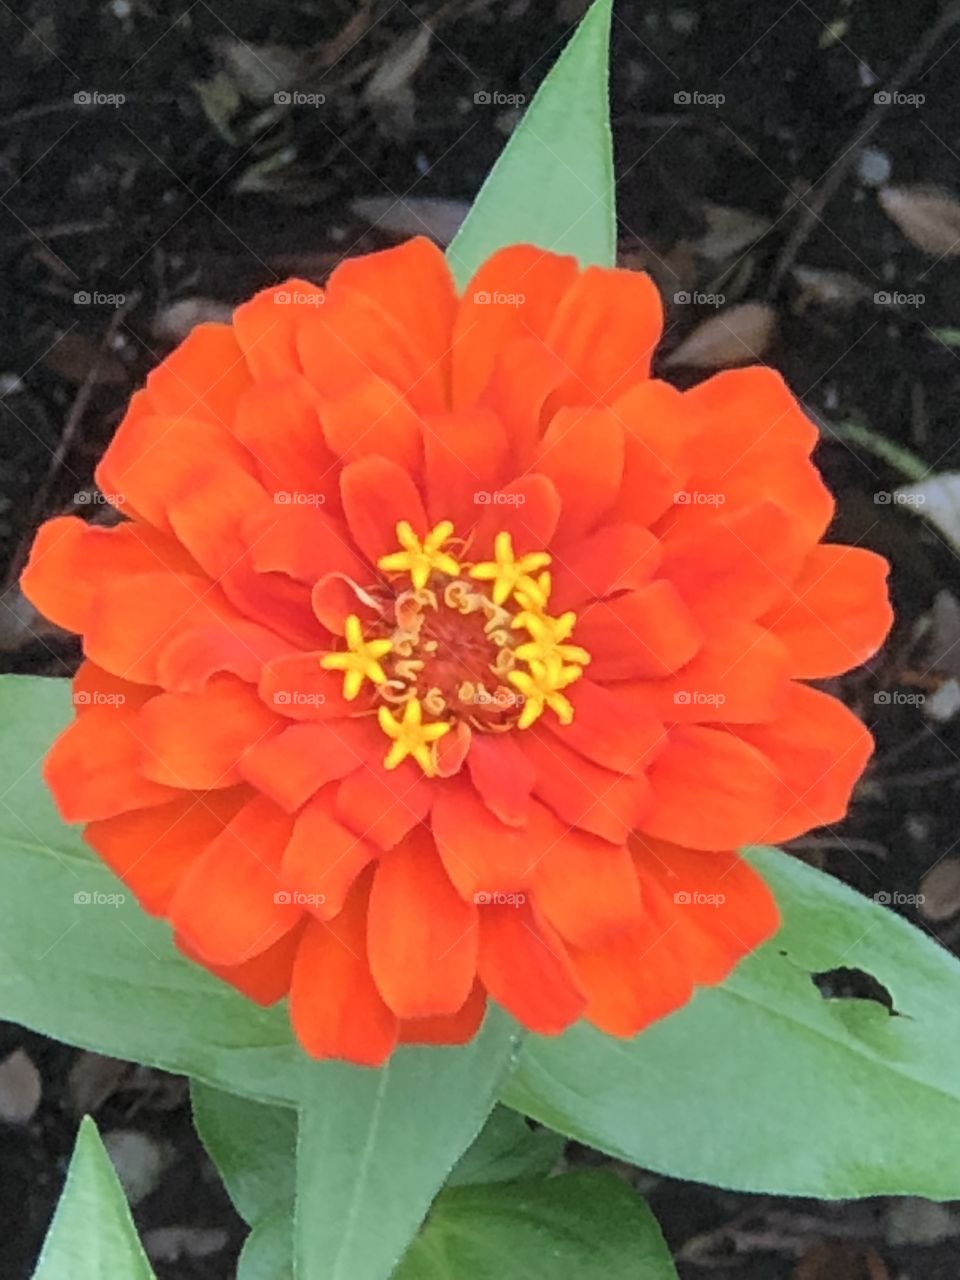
(789, 167)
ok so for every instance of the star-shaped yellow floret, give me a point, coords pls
(411, 737)
(540, 687)
(360, 661)
(509, 574)
(538, 600)
(547, 636)
(420, 559)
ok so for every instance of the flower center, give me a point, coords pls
(458, 643)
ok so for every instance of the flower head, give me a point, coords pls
(444, 655)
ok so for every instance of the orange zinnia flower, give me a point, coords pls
(444, 654)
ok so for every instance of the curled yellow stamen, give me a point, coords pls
(509, 574)
(420, 559)
(360, 661)
(411, 737)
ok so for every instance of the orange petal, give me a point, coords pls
(197, 740)
(274, 600)
(93, 767)
(617, 557)
(230, 905)
(582, 793)
(336, 596)
(582, 453)
(372, 417)
(481, 855)
(94, 687)
(192, 657)
(388, 313)
(512, 295)
(421, 935)
(265, 978)
(301, 542)
(502, 776)
(711, 790)
(715, 904)
(587, 888)
(607, 730)
(454, 1028)
(133, 619)
(266, 326)
(736, 565)
(819, 749)
(528, 509)
(202, 378)
(294, 764)
(279, 424)
(738, 677)
(377, 495)
(296, 686)
(605, 359)
(152, 849)
(656, 425)
(525, 967)
(323, 859)
(385, 804)
(70, 558)
(466, 458)
(335, 1007)
(210, 511)
(648, 633)
(525, 375)
(836, 614)
(152, 458)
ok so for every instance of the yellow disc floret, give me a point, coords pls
(420, 559)
(547, 637)
(411, 737)
(360, 661)
(540, 687)
(509, 574)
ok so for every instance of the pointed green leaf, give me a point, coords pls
(764, 1085)
(376, 1146)
(581, 1226)
(553, 183)
(92, 1234)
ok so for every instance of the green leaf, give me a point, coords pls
(92, 1235)
(553, 183)
(507, 1148)
(99, 973)
(267, 1252)
(581, 1226)
(764, 1085)
(376, 1146)
(253, 1145)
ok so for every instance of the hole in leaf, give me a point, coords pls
(853, 984)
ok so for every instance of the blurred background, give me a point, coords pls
(789, 172)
